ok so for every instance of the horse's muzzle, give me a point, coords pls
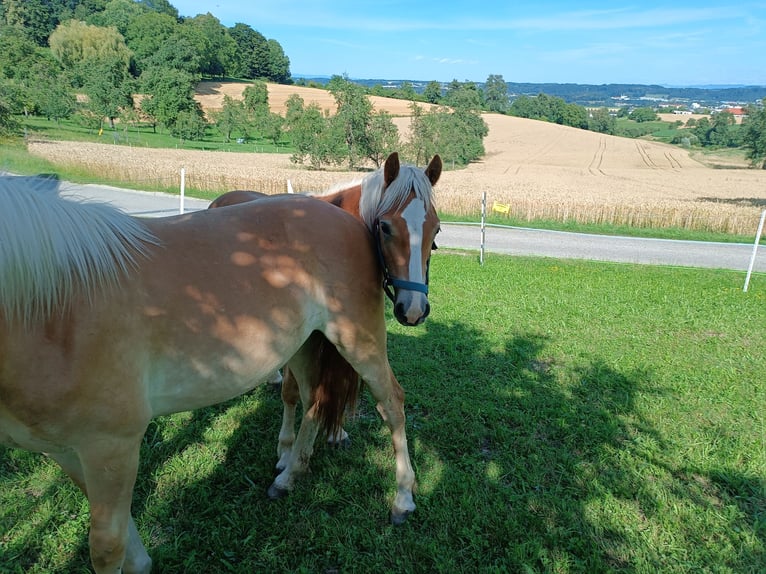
(411, 311)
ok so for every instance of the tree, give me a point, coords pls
(754, 135)
(279, 63)
(33, 18)
(55, 99)
(383, 137)
(251, 59)
(496, 94)
(601, 121)
(109, 88)
(643, 115)
(256, 96)
(76, 42)
(231, 117)
(168, 93)
(215, 48)
(189, 125)
(148, 33)
(432, 92)
(352, 117)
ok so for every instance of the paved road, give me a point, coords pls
(514, 241)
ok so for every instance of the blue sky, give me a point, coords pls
(680, 43)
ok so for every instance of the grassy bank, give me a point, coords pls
(563, 417)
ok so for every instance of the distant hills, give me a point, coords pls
(592, 95)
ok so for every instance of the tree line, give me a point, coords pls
(110, 50)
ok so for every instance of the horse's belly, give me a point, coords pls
(195, 380)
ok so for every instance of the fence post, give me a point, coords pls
(755, 250)
(183, 189)
(483, 226)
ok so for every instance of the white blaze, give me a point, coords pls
(415, 216)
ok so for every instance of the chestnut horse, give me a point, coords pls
(107, 321)
(396, 204)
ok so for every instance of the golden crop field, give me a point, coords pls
(540, 170)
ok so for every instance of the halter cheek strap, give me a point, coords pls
(389, 280)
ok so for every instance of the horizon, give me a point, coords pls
(691, 44)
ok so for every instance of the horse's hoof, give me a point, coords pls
(399, 517)
(342, 443)
(275, 493)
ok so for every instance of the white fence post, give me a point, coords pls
(183, 189)
(755, 250)
(483, 226)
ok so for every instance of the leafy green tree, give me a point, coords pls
(643, 114)
(383, 137)
(119, 14)
(352, 117)
(316, 139)
(601, 121)
(75, 42)
(496, 94)
(8, 93)
(465, 96)
(271, 125)
(109, 87)
(215, 48)
(432, 92)
(251, 59)
(35, 19)
(168, 93)
(149, 33)
(55, 99)
(231, 118)
(754, 135)
(279, 63)
(256, 96)
(189, 125)
(19, 53)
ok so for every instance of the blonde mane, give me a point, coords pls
(52, 248)
(375, 203)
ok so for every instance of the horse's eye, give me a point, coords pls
(385, 228)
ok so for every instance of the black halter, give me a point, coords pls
(389, 280)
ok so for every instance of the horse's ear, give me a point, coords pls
(391, 168)
(434, 169)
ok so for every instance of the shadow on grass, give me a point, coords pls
(526, 461)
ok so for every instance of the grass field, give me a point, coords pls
(567, 417)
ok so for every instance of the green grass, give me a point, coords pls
(141, 135)
(563, 416)
(606, 229)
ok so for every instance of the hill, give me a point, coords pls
(210, 95)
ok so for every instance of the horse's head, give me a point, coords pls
(405, 225)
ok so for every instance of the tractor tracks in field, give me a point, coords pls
(598, 157)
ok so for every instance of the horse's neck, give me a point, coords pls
(346, 199)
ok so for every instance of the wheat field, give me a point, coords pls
(541, 170)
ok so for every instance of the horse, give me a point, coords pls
(108, 320)
(396, 204)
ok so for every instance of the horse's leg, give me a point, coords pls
(137, 560)
(312, 350)
(389, 395)
(109, 468)
(303, 373)
(289, 403)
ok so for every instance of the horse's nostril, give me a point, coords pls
(427, 311)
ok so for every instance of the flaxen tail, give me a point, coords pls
(337, 387)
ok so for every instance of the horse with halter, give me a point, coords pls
(107, 321)
(396, 204)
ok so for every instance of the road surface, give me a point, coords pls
(512, 241)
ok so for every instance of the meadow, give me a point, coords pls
(563, 417)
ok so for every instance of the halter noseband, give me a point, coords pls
(388, 279)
